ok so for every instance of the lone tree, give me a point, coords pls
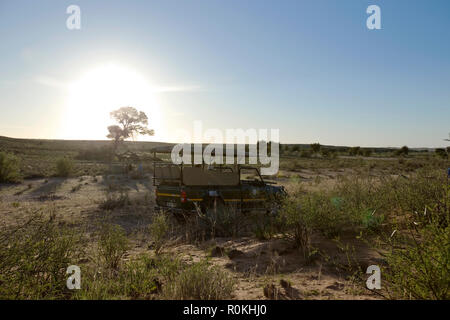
(404, 150)
(131, 123)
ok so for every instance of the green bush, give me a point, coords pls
(313, 211)
(418, 259)
(34, 257)
(138, 279)
(264, 225)
(372, 221)
(158, 230)
(323, 215)
(297, 223)
(9, 168)
(363, 201)
(353, 204)
(64, 167)
(166, 276)
(200, 281)
(141, 278)
(112, 245)
(423, 190)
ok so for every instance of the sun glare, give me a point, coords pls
(102, 90)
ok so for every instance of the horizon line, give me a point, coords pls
(165, 142)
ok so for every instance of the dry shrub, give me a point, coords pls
(64, 167)
(9, 168)
(200, 281)
(115, 197)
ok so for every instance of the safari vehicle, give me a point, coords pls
(189, 188)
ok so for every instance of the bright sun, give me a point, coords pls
(102, 90)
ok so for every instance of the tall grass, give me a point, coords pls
(159, 229)
(112, 245)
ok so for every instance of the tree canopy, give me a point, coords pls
(131, 122)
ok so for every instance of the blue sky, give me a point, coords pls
(309, 68)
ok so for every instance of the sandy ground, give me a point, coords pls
(264, 269)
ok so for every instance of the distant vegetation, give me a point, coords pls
(36, 158)
(103, 154)
(315, 147)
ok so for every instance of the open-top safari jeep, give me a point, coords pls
(191, 187)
